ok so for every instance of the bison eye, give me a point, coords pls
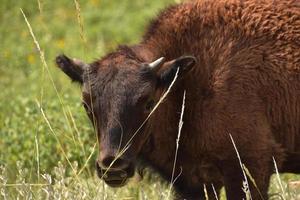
(149, 105)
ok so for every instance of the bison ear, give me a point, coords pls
(168, 70)
(72, 67)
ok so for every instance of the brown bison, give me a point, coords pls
(239, 62)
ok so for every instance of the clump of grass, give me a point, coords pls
(293, 190)
(3, 182)
(60, 185)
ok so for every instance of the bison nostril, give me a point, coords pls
(106, 162)
(113, 162)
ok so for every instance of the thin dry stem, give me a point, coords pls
(55, 135)
(278, 179)
(77, 131)
(247, 172)
(80, 22)
(87, 160)
(177, 143)
(40, 6)
(205, 192)
(45, 65)
(214, 190)
(37, 157)
(22, 184)
(247, 191)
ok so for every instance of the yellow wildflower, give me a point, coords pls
(94, 2)
(60, 43)
(31, 59)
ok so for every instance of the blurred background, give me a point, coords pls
(47, 144)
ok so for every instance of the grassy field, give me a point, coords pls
(47, 144)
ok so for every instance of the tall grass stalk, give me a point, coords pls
(278, 178)
(60, 144)
(247, 172)
(45, 65)
(246, 187)
(81, 27)
(56, 137)
(77, 132)
(205, 192)
(214, 190)
(37, 157)
(80, 21)
(87, 160)
(40, 6)
(180, 124)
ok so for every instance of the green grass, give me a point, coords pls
(30, 152)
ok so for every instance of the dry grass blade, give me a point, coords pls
(45, 65)
(60, 144)
(80, 22)
(55, 135)
(276, 196)
(40, 6)
(21, 184)
(177, 143)
(117, 157)
(77, 131)
(37, 157)
(252, 180)
(246, 183)
(205, 192)
(214, 190)
(278, 179)
(87, 160)
(34, 39)
(178, 175)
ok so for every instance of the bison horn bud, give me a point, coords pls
(156, 64)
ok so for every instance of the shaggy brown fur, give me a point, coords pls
(246, 83)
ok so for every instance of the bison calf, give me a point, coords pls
(239, 62)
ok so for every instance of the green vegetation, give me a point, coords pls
(47, 144)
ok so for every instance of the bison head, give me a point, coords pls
(118, 93)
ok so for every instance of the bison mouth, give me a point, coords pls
(115, 177)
